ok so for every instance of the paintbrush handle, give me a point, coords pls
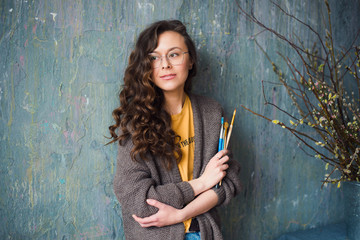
(228, 137)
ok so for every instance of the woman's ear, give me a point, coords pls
(190, 65)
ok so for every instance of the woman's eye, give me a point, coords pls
(172, 55)
(154, 58)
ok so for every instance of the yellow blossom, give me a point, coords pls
(327, 166)
(318, 156)
(292, 123)
(339, 184)
(275, 121)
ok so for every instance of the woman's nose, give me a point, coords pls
(165, 63)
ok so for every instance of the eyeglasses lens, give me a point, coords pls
(174, 58)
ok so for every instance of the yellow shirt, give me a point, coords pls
(183, 125)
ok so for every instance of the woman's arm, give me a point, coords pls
(214, 172)
(168, 215)
(230, 183)
(136, 181)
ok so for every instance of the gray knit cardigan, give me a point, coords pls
(134, 182)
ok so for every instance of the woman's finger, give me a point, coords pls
(155, 203)
(221, 154)
(225, 159)
(224, 167)
(144, 221)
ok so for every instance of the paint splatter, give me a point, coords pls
(53, 16)
(22, 60)
(34, 28)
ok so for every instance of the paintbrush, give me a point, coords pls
(227, 139)
(230, 130)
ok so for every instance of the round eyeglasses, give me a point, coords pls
(175, 57)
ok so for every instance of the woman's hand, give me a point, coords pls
(167, 215)
(215, 170)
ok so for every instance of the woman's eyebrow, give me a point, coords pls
(169, 49)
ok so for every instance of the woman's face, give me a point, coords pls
(170, 62)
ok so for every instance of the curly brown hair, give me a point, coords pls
(141, 115)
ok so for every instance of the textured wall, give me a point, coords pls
(61, 65)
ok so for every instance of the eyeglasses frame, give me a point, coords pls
(169, 61)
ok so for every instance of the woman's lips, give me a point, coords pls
(168, 76)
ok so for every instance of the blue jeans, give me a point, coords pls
(192, 236)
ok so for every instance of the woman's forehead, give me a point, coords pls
(170, 40)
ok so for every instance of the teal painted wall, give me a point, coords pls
(61, 66)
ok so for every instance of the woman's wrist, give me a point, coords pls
(203, 203)
(198, 186)
(182, 215)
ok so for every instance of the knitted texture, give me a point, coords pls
(136, 181)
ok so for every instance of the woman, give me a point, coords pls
(168, 164)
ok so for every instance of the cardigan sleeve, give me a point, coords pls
(209, 113)
(230, 185)
(136, 181)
